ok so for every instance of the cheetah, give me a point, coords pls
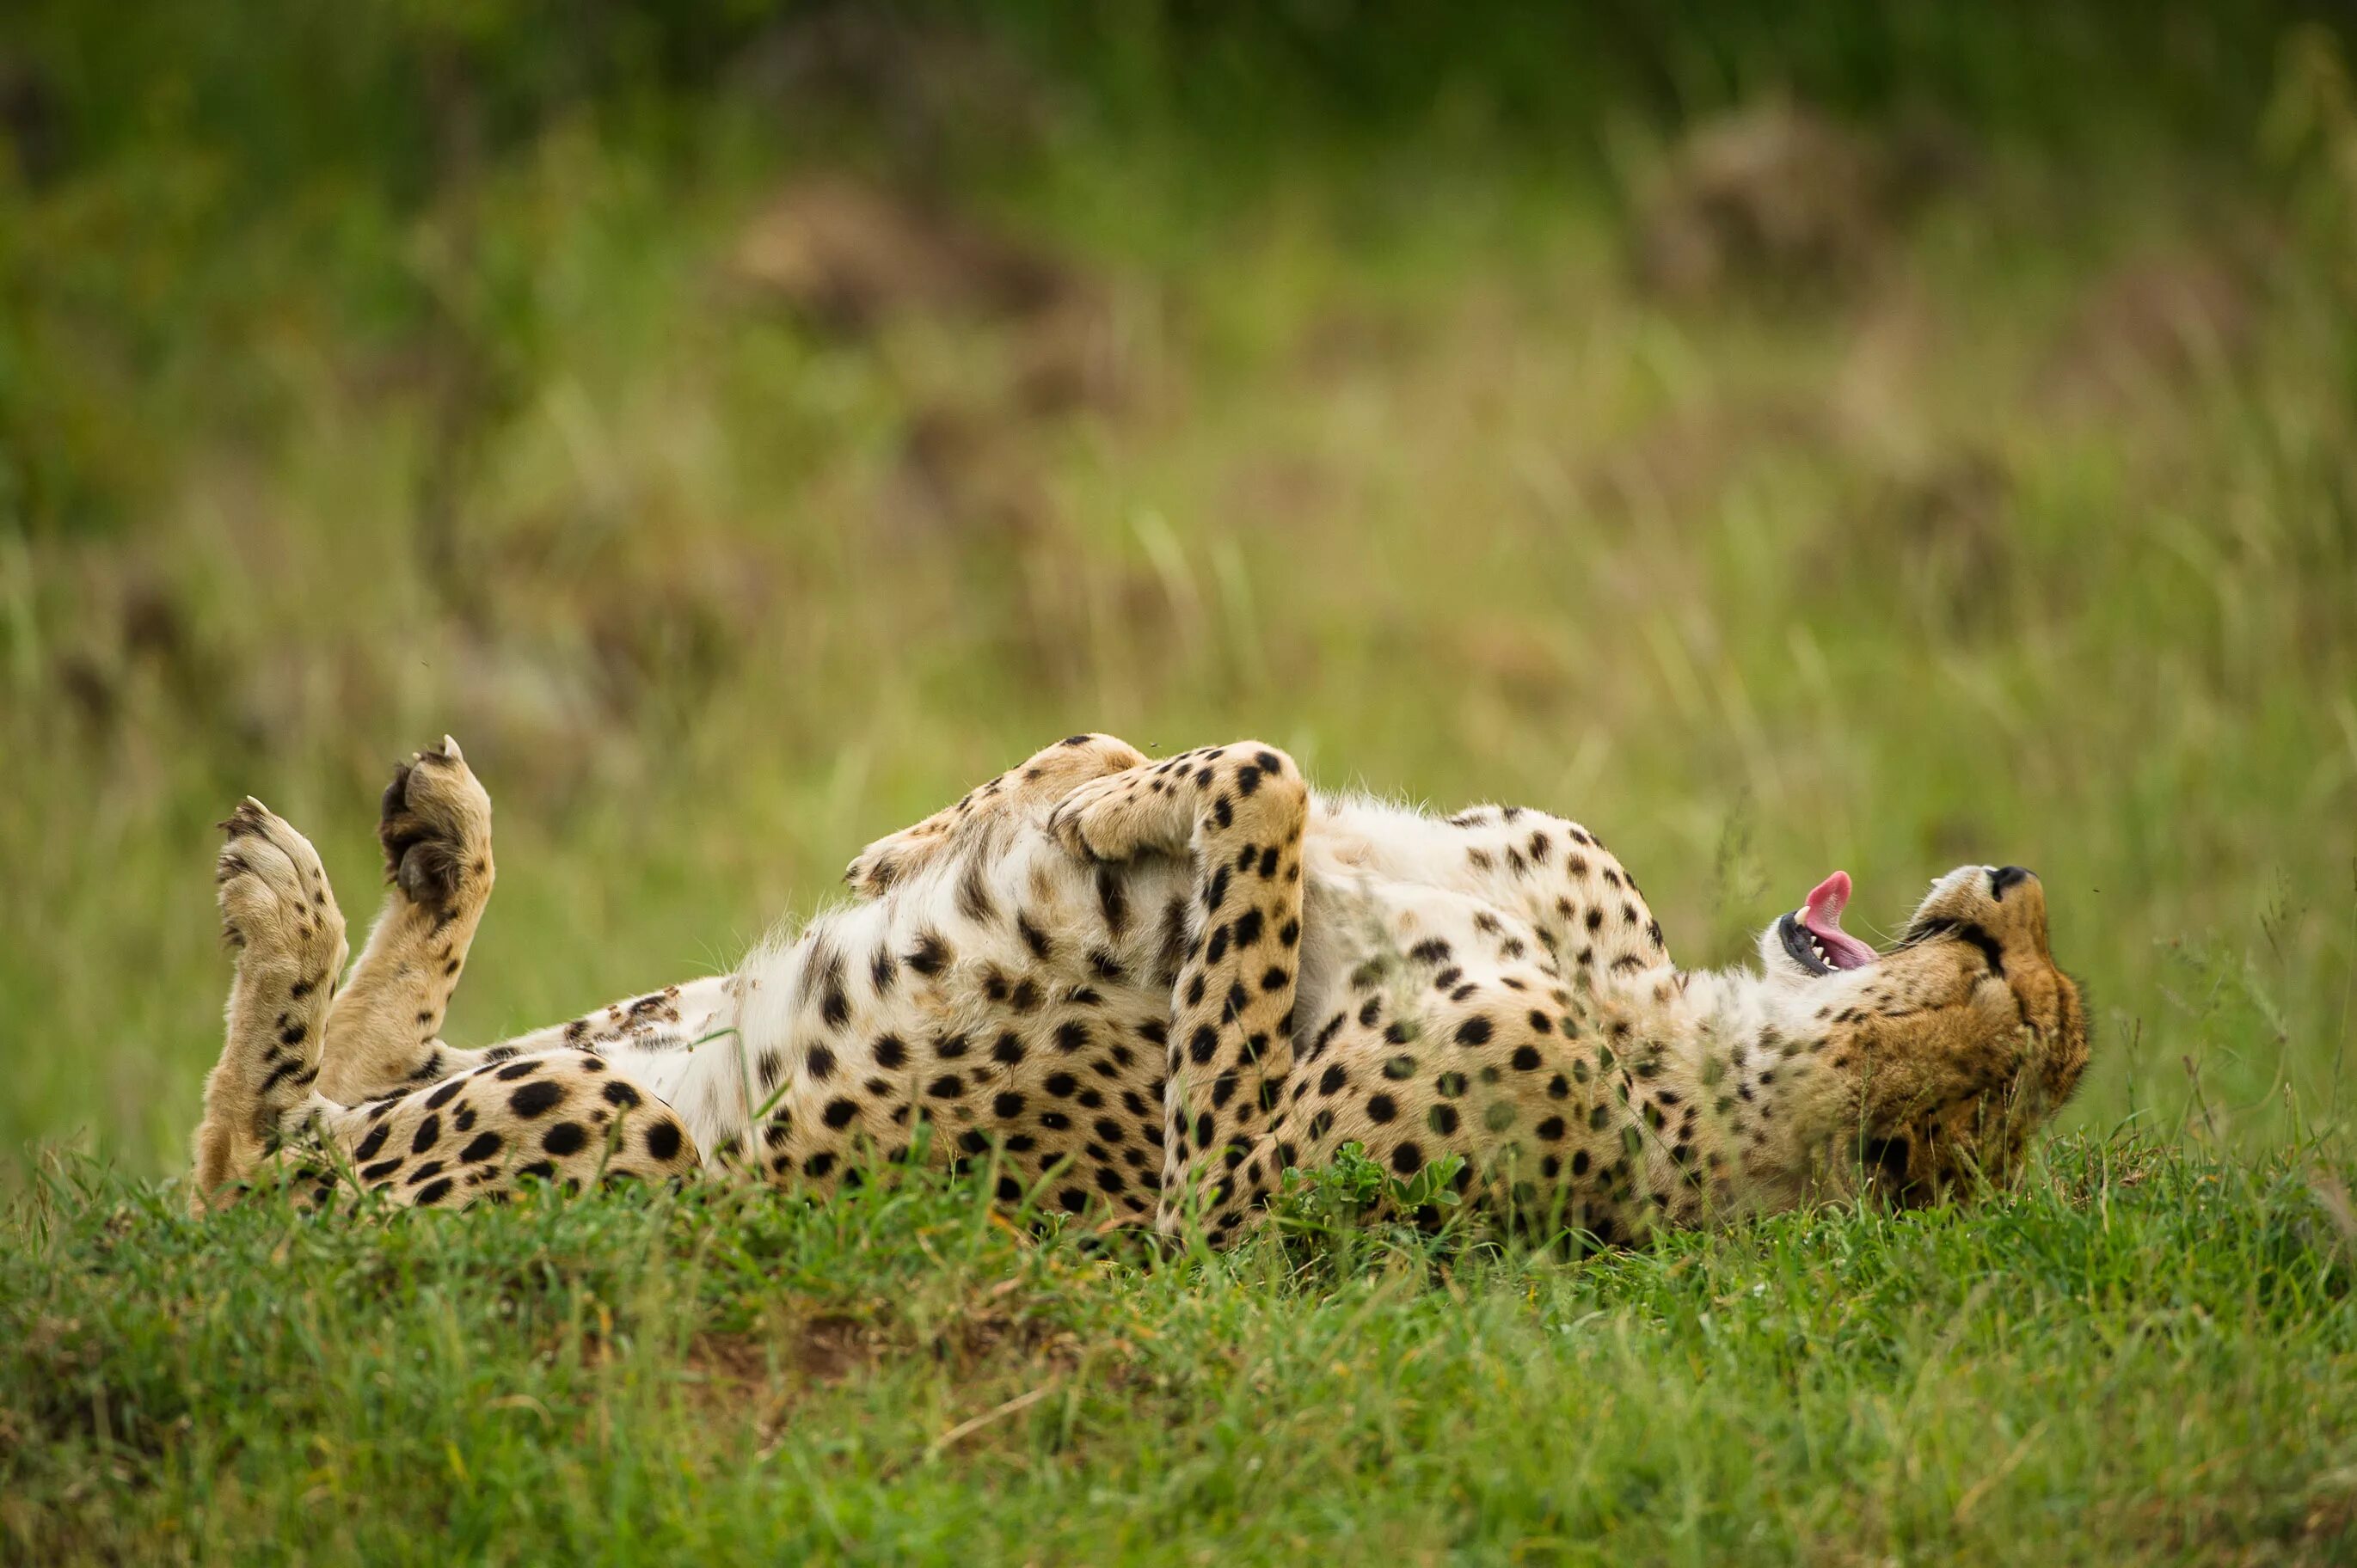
(1139, 991)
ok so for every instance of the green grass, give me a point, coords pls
(2036, 542)
(2139, 1358)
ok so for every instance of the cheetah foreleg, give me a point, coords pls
(1038, 783)
(1240, 811)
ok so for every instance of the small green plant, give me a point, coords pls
(1338, 1197)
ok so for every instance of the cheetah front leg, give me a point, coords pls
(1240, 811)
(383, 1032)
(280, 916)
(1045, 778)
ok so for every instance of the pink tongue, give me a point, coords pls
(1822, 915)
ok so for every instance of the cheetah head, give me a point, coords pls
(1964, 1036)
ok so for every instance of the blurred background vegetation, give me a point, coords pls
(1878, 434)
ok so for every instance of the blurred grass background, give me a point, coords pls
(1881, 436)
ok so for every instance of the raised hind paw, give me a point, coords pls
(275, 904)
(436, 829)
(278, 913)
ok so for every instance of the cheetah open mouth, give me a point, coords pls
(1812, 933)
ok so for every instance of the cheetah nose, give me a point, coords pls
(2006, 876)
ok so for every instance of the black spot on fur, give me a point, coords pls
(974, 900)
(929, 956)
(1112, 900)
(1033, 937)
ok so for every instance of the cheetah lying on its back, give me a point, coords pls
(1142, 990)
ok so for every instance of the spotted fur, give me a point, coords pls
(1137, 992)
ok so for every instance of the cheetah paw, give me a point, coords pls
(436, 829)
(1123, 815)
(273, 896)
(893, 859)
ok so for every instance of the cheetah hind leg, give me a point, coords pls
(1046, 777)
(1241, 810)
(279, 914)
(383, 1034)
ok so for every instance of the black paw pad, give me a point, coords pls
(424, 861)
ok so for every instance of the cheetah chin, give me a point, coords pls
(1124, 990)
